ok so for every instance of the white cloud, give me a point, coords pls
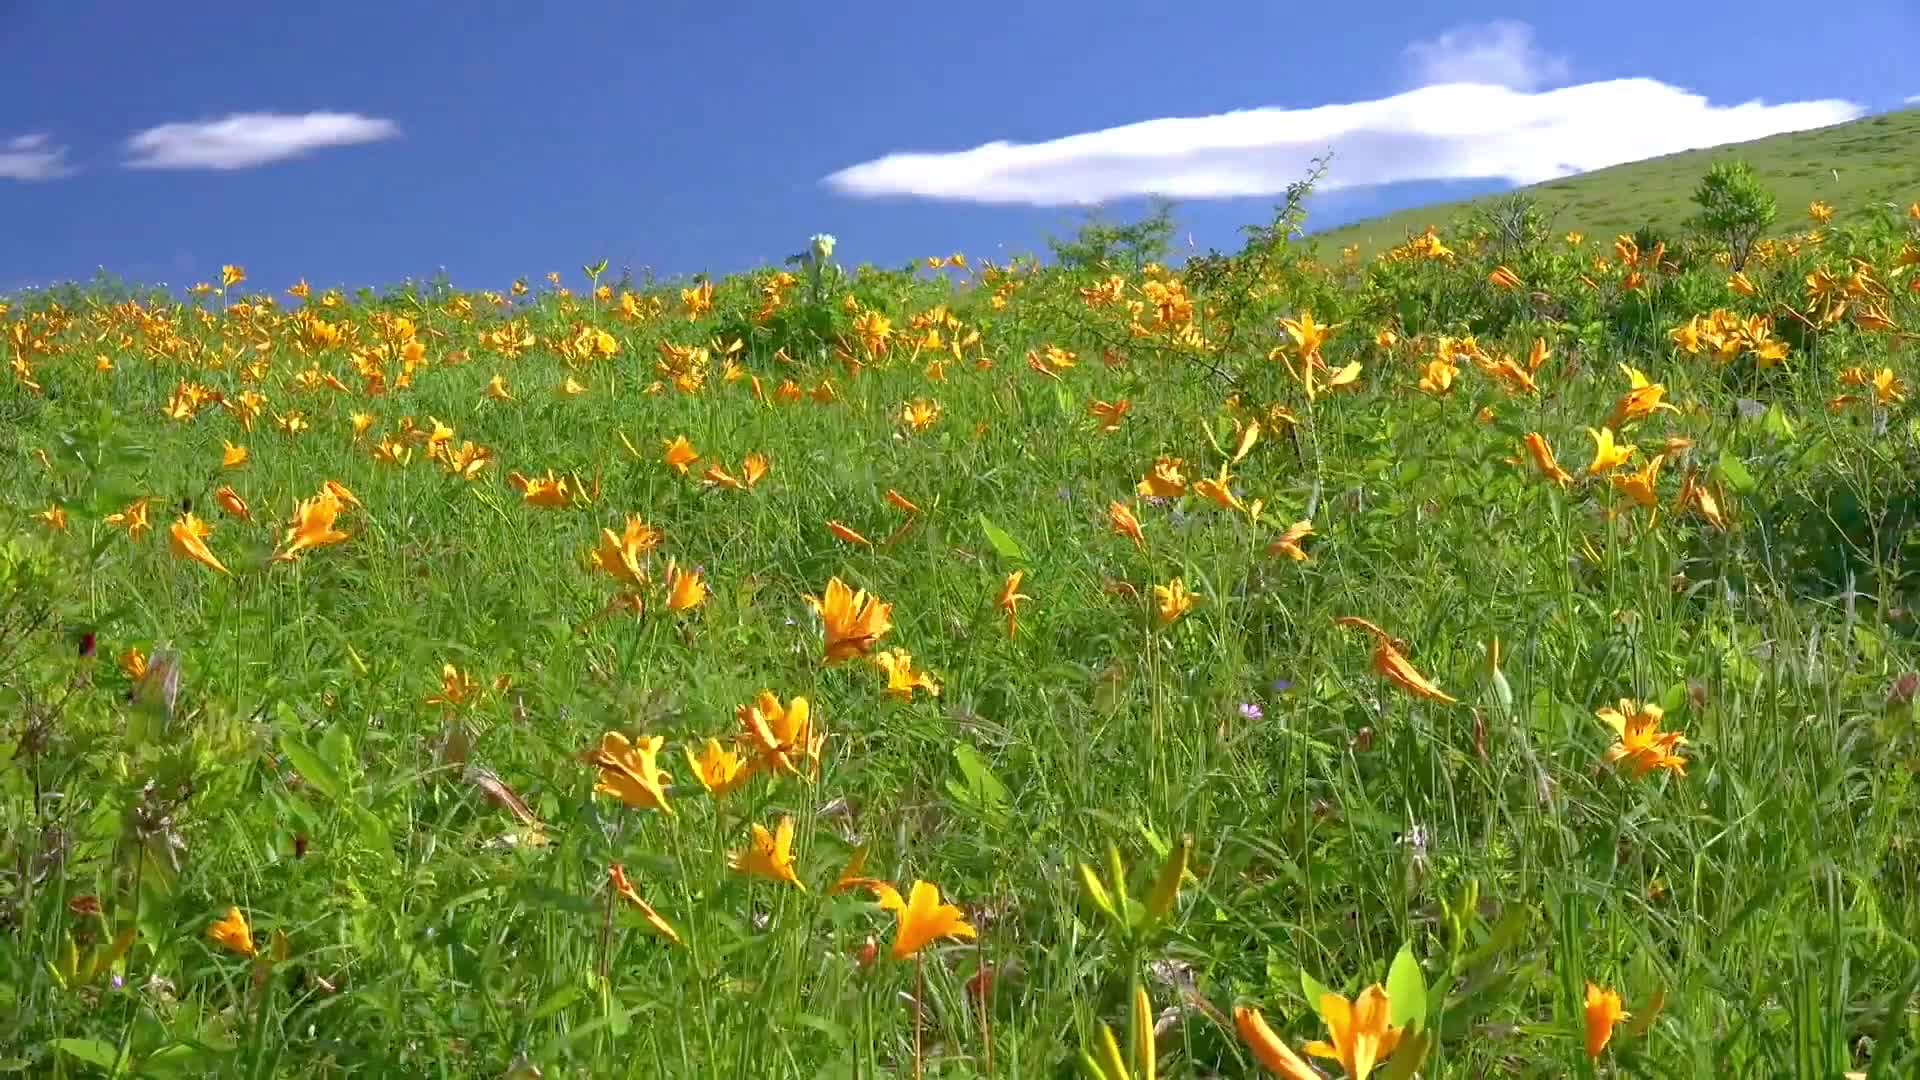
(1914, 100)
(1449, 132)
(1500, 53)
(33, 157)
(245, 140)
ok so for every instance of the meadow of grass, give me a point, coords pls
(1858, 167)
(1263, 652)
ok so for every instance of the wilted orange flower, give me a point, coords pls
(1289, 542)
(854, 621)
(624, 889)
(233, 934)
(1120, 517)
(1110, 414)
(232, 503)
(630, 771)
(902, 503)
(1642, 746)
(769, 855)
(1010, 600)
(1504, 279)
(1392, 664)
(902, 679)
(55, 517)
(855, 876)
(923, 918)
(1542, 455)
(781, 733)
(188, 539)
(848, 534)
(1698, 497)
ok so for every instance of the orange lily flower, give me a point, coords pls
(1393, 666)
(855, 622)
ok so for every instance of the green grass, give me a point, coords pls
(300, 771)
(1876, 159)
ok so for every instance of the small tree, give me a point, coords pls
(1106, 247)
(1734, 209)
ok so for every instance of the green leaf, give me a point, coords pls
(91, 1051)
(311, 767)
(981, 791)
(1315, 990)
(337, 748)
(1406, 991)
(178, 1059)
(1735, 475)
(1502, 691)
(1407, 1057)
(1514, 922)
(1002, 541)
(1776, 424)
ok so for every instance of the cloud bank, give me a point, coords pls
(1481, 116)
(247, 140)
(33, 157)
(1499, 53)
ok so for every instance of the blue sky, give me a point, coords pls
(498, 140)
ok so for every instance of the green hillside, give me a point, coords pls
(1855, 167)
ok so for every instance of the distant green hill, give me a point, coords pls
(1877, 160)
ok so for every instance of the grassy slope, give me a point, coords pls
(1770, 894)
(1877, 160)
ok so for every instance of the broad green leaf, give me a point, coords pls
(311, 767)
(1407, 1057)
(1777, 424)
(1735, 475)
(337, 748)
(1502, 691)
(1315, 990)
(1406, 991)
(1003, 542)
(92, 1051)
